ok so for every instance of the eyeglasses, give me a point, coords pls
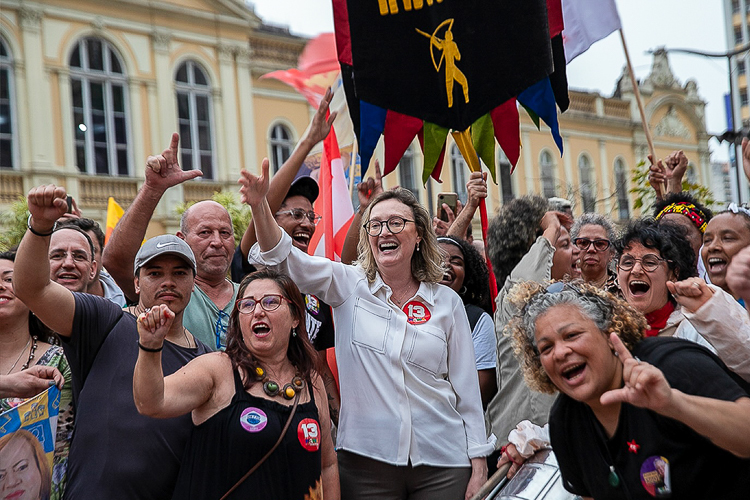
(648, 262)
(585, 243)
(220, 330)
(395, 225)
(299, 215)
(269, 303)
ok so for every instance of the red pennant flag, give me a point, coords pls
(398, 133)
(507, 130)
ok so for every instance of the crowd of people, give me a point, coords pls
(194, 368)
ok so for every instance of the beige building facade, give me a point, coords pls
(89, 89)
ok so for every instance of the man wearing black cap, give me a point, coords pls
(115, 452)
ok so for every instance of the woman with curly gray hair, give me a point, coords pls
(525, 242)
(636, 418)
(594, 234)
(411, 423)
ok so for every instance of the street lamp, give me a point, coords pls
(728, 56)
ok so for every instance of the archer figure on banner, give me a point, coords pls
(451, 54)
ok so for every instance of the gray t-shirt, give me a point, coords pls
(117, 453)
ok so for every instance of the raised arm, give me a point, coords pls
(253, 191)
(725, 423)
(53, 304)
(166, 397)
(319, 129)
(162, 172)
(366, 191)
(477, 189)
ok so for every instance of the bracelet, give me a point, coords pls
(33, 231)
(148, 349)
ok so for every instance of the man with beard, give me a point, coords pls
(115, 452)
(207, 229)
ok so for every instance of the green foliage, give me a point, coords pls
(13, 223)
(240, 213)
(646, 196)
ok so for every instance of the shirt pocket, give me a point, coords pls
(428, 350)
(371, 325)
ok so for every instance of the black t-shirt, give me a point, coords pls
(319, 323)
(117, 453)
(654, 456)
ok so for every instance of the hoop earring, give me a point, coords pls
(462, 291)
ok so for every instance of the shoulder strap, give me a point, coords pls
(474, 313)
(265, 457)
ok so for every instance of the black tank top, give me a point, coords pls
(224, 447)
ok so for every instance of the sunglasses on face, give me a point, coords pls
(585, 243)
(299, 215)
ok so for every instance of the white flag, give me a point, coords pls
(587, 22)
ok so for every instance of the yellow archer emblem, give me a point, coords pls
(451, 54)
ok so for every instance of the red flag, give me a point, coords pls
(333, 203)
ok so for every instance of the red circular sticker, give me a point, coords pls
(416, 313)
(308, 433)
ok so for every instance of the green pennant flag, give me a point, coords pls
(534, 117)
(483, 139)
(434, 139)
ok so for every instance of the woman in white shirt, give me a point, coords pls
(411, 423)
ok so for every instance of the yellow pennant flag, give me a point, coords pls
(114, 214)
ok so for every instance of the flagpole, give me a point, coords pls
(661, 191)
(352, 164)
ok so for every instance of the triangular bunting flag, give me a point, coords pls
(507, 130)
(398, 133)
(433, 145)
(372, 123)
(541, 100)
(483, 139)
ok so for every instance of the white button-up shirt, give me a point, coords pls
(408, 379)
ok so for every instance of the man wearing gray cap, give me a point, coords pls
(115, 452)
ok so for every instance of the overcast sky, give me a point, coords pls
(695, 24)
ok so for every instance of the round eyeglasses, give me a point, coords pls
(585, 243)
(299, 215)
(269, 302)
(395, 225)
(648, 262)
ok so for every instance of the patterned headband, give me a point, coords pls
(688, 210)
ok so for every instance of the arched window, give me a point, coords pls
(7, 116)
(588, 189)
(547, 168)
(621, 181)
(100, 108)
(460, 172)
(194, 116)
(406, 175)
(503, 171)
(282, 145)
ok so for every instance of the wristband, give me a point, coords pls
(148, 349)
(33, 231)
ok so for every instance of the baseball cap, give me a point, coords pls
(166, 244)
(304, 186)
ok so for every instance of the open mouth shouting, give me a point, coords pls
(717, 265)
(638, 288)
(301, 239)
(573, 373)
(261, 329)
